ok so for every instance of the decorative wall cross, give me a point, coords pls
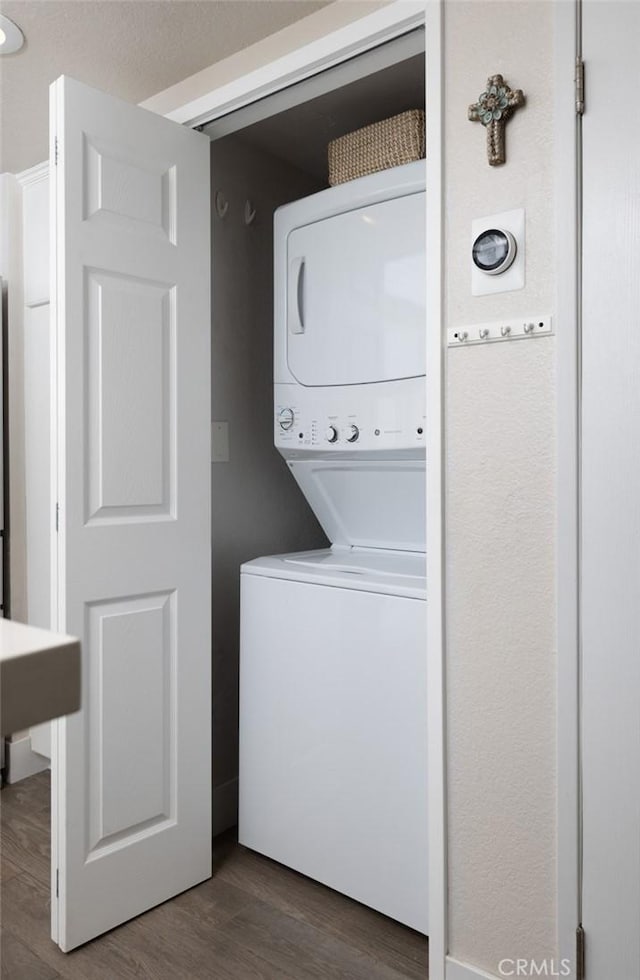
(494, 107)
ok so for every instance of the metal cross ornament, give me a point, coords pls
(494, 107)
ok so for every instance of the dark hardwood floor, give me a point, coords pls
(253, 920)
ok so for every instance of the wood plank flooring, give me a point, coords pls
(253, 920)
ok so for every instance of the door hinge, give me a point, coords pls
(55, 151)
(57, 516)
(579, 86)
(57, 882)
(579, 953)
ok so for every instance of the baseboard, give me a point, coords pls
(225, 806)
(456, 970)
(21, 761)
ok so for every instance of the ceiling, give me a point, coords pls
(130, 48)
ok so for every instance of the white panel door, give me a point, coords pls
(611, 493)
(132, 787)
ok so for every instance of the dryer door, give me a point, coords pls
(356, 295)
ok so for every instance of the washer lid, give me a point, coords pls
(361, 569)
(367, 503)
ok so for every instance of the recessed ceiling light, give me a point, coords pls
(11, 37)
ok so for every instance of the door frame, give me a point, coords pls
(567, 167)
(302, 62)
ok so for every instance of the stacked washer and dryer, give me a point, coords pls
(333, 727)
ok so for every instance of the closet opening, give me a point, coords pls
(267, 502)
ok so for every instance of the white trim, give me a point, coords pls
(568, 339)
(436, 449)
(368, 63)
(456, 970)
(299, 63)
(21, 761)
(225, 806)
(34, 174)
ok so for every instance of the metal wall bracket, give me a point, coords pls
(514, 328)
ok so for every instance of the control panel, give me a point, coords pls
(350, 418)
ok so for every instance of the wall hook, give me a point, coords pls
(505, 331)
(221, 204)
(249, 213)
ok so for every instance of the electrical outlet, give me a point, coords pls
(219, 442)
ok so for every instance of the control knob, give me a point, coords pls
(286, 419)
(331, 435)
(352, 433)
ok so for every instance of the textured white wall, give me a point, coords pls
(500, 509)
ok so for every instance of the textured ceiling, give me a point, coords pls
(131, 48)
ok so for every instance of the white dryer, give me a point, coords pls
(333, 728)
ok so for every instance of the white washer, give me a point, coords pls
(333, 754)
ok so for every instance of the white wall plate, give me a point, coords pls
(219, 442)
(513, 277)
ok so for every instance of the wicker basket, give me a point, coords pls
(385, 144)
